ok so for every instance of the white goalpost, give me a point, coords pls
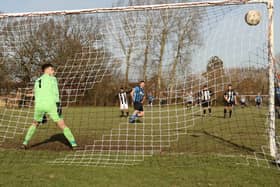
(178, 49)
(272, 135)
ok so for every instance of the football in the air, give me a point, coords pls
(253, 17)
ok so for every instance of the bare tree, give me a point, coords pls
(125, 33)
(66, 42)
(187, 36)
(32, 42)
(215, 76)
(148, 44)
(161, 29)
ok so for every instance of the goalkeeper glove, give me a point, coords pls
(59, 108)
(45, 119)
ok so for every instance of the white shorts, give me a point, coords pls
(123, 106)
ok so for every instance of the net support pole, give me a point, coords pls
(272, 129)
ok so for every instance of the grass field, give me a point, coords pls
(156, 171)
(188, 150)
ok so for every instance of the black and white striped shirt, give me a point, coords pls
(205, 95)
(123, 98)
(230, 94)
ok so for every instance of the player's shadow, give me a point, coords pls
(207, 116)
(228, 142)
(218, 116)
(54, 138)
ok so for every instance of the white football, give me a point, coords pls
(253, 17)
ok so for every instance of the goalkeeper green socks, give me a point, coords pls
(66, 131)
(29, 134)
(69, 136)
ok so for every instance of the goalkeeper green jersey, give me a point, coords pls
(46, 91)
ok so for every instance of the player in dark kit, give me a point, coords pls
(138, 97)
(230, 100)
(205, 97)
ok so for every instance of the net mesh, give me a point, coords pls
(177, 51)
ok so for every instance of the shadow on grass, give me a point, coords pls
(240, 147)
(209, 117)
(54, 138)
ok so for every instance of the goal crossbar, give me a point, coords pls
(134, 8)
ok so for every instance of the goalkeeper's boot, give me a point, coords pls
(132, 119)
(76, 148)
(24, 147)
(74, 145)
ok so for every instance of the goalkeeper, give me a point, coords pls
(47, 102)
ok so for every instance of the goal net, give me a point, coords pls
(178, 49)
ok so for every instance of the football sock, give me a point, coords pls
(135, 116)
(29, 134)
(225, 112)
(204, 111)
(132, 118)
(127, 113)
(69, 136)
(209, 110)
(230, 112)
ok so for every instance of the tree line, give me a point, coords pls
(155, 46)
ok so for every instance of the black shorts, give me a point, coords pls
(277, 102)
(205, 104)
(258, 103)
(228, 103)
(138, 106)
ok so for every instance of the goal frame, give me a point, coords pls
(270, 39)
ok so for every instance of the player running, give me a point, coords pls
(123, 103)
(138, 98)
(230, 100)
(47, 102)
(205, 96)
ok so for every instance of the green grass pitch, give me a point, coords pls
(191, 159)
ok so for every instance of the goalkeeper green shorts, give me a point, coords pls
(40, 111)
